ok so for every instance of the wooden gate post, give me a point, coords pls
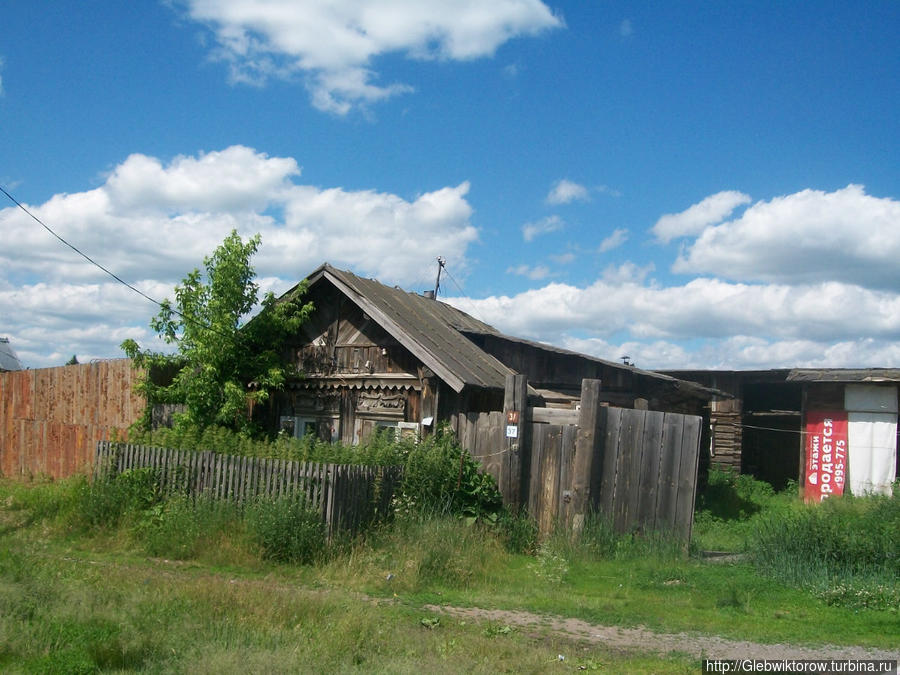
(515, 408)
(586, 443)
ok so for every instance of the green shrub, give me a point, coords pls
(732, 496)
(287, 530)
(379, 450)
(45, 500)
(103, 503)
(181, 529)
(440, 478)
(598, 540)
(728, 507)
(438, 551)
(847, 535)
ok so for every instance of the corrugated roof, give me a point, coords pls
(8, 358)
(844, 375)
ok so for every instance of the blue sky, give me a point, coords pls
(696, 185)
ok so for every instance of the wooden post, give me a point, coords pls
(515, 407)
(801, 469)
(585, 448)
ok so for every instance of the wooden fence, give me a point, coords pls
(348, 496)
(637, 468)
(52, 418)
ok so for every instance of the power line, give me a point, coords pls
(453, 280)
(93, 262)
(83, 255)
(474, 312)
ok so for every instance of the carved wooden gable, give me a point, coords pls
(339, 338)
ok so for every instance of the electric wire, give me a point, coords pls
(471, 310)
(83, 255)
(455, 283)
(799, 432)
(131, 287)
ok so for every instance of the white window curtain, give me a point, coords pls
(872, 438)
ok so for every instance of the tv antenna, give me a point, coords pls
(437, 282)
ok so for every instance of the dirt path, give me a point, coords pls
(627, 639)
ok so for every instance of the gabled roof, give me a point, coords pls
(435, 333)
(430, 329)
(8, 358)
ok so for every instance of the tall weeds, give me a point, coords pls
(846, 550)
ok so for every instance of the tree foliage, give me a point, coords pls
(223, 363)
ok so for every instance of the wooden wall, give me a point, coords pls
(52, 418)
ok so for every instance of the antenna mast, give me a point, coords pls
(437, 282)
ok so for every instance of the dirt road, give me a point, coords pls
(627, 639)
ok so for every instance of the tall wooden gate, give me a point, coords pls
(637, 468)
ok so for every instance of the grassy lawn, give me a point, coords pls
(667, 594)
(71, 611)
(133, 584)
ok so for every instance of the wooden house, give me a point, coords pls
(375, 356)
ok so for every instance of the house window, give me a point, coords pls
(409, 430)
(298, 426)
(402, 430)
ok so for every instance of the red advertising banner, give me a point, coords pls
(826, 454)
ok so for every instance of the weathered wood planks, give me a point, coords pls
(348, 496)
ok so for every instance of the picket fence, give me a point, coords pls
(348, 497)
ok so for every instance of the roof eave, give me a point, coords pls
(422, 353)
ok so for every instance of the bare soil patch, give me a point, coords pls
(642, 639)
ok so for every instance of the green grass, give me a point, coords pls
(730, 507)
(844, 551)
(65, 612)
(177, 586)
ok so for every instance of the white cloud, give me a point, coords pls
(372, 232)
(563, 258)
(543, 226)
(805, 237)
(743, 353)
(627, 272)
(714, 209)
(565, 191)
(152, 222)
(235, 179)
(335, 43)
(535, 273)
(607, 190)
(622, 303)
(614, 240)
